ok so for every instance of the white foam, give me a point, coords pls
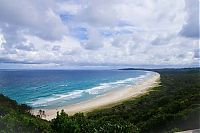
(64, 85)
(102, 88)
(55, 97)
(97, 90)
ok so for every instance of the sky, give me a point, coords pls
(84, 34)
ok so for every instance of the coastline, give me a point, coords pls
(108, 99)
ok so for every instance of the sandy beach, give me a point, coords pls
(110, 98)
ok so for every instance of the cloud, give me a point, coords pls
(197, 54)
(33, 17)
(97, 13)
(56, 48)
(94, 41)
(191, 28)
(162, 39)
(66, 34)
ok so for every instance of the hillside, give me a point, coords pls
(15, 118)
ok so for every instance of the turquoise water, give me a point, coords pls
(54, 88)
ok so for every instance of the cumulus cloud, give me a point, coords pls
(98, 13)
(191, 28)
(32, 17)
(94, 41)
(71, 33)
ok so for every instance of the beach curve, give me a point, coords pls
(110, 98)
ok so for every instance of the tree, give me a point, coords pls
(64, 124)
(41, 113)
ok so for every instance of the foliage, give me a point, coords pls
(64, 124)
(17, 118)
(176, 97)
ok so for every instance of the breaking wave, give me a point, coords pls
(97, 90)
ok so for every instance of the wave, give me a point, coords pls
(55, 97)
(104, 87)
(100, 89)
(64, 85)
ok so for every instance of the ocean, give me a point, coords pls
(56, 88)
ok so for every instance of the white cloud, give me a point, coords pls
(116, 33)
(32, 17)
(191, 28)
(68, 7)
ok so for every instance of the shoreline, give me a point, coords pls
(107, 100)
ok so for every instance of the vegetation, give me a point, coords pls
(177, 96)
(16, 118)
(164, 109)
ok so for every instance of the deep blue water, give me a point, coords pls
(53, 88)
